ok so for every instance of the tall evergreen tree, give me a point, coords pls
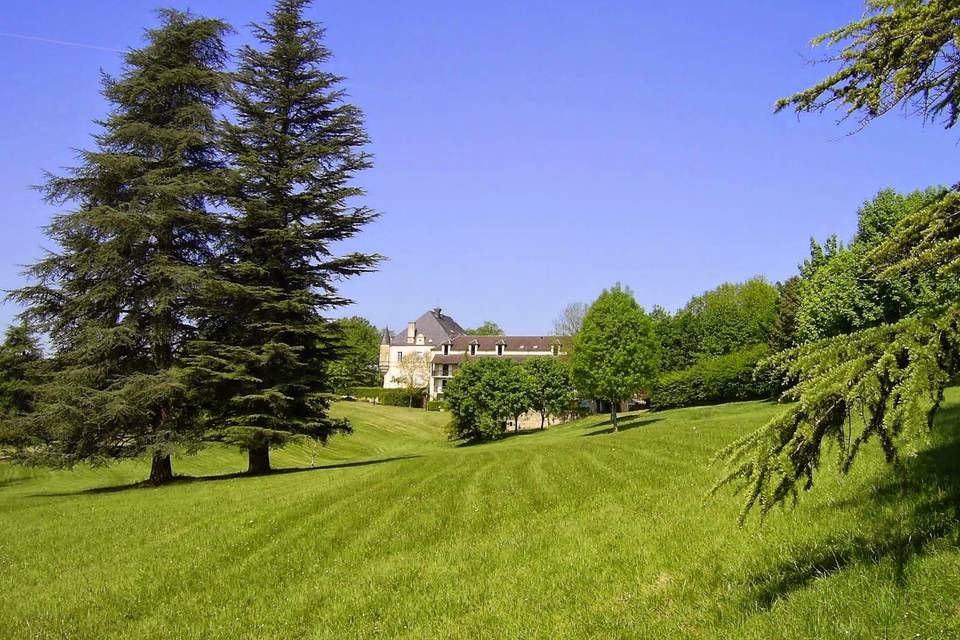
(294, 150)
(19, 356)
(132, 254)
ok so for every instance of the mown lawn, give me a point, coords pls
(569, 533)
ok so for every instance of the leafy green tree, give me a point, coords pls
(615, 355)
(733, 316)
(783, 333)
(488, 328)
(837, 293)
(19, 356)
(116, 297)
(728, 318)
(357, 363)
(482, 396)
(677, 336)
(884, 382)
(293, 151)
(548, 387)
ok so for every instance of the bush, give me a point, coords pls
(391, 397)
(714, 380)
(435, 405)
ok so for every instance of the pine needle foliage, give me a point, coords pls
(902, 52)
(132, 255)
(883, 382)
(293, 149)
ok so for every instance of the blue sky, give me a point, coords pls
(527, 154)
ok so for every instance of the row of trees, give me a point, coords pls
(615, 354)
(486, 393)
(195, 261)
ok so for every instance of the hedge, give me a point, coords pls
(435, 405)
(392, 397)
(714, 380)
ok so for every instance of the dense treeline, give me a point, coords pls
(195, 262)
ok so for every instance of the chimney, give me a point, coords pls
(411, 332)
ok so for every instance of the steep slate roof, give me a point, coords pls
(435, 327)
(527, 344)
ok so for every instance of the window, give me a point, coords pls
(446, 370)
(399, 356)
(446, 349)
(473, 349)
(555, 349)
(500, 349)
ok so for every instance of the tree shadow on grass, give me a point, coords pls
(504, 436)
(927, 491)
(625, 424)
(177, 480)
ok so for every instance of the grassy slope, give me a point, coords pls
(566, 533)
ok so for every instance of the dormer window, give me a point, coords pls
(500, 349)
(446, 349)
(555, 349)
(473, 348)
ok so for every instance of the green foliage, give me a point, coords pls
(902, 52)
(725, 319)
(883, 382)
(390, 397)
(783, 333)
(838, 293)
(357, 362)
(117, 296)
(615, 355)
(488, 328)
(547, 385)
(733, 316)
(482, 396)
(434, 405)
(713, 380)
(19, 358)
(677, 337)
(293, 150)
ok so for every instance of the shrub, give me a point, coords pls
(435, 405)
(714, 380)
(391, 397)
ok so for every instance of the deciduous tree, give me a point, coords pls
(488, 328)
(482, 396)
(548, 387)
(615, 355)
(570, 320)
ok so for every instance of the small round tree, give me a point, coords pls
(548, 387)
(616, 353)
(482, 396)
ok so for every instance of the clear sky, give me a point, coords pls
(528, 154)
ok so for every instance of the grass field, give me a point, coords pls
(569, 533)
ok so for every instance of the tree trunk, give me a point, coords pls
(161, 471)
(259, 460)
(543, 418)
(613, 416)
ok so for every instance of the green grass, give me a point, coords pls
(569, 533)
